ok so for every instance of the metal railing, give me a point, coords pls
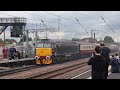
(13, 20)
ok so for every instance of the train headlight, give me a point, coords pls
(36, 57)
(48, 57)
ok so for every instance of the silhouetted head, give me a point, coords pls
(116, 54)
(98, 49)
(112, 55)
(102, 44)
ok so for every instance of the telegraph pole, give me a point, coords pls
(4, 38)
(27, 40)
(58, 24)
(46, 33)
(45, 28)
(92, 34)
(36, 37)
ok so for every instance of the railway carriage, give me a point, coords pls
(86, 49)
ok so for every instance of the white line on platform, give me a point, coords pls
(80, 74)
(89, 77)
(108, 73)
(109, 69)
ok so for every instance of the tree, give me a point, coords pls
(10, 41)
(1, 41)
(75, 39)
(23, 39)
(108, 39)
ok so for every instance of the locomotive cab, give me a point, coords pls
(43, 53)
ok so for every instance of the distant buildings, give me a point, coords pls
(88, 40)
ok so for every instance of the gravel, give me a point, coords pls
(41, 70)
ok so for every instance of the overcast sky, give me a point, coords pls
(69, 27)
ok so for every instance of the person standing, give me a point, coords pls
(116, 55)
(17, 54)
(105, 53)
(119, 61)
(114, 65)
(12, 52)
(98, 65)
(4, 53)
(7, 52)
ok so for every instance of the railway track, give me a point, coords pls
(45, 75)
(16, 70)
(57, 72)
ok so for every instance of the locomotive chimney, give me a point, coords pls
(94, 35)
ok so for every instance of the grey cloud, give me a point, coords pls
(86, 18)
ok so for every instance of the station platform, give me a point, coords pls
(114, 76)
(111, 75)
(17, 62)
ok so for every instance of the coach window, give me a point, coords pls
(47, 45)
(40, 45)
(91, 47)
(83, 47)
(86, 47)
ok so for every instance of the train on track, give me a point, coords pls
(50, 51)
